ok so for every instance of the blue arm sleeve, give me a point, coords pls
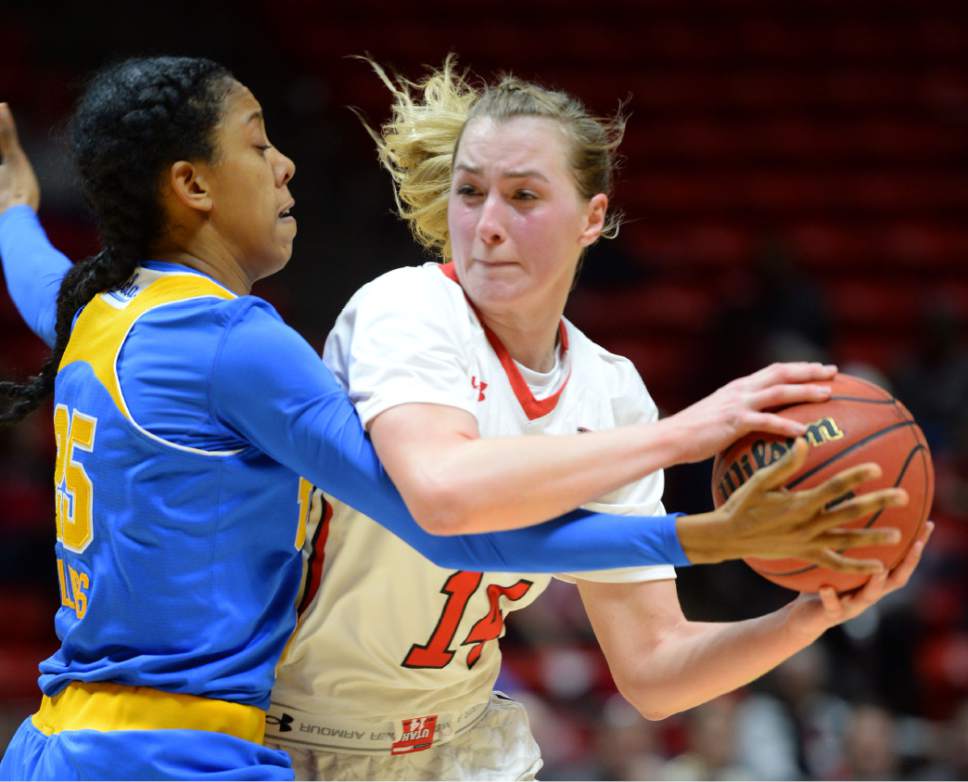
(270, 386)
(33, 268)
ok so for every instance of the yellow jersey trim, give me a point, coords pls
(108, 707)
(102, 327)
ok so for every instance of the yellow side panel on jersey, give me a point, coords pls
(102, 327)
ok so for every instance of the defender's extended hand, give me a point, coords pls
(763, 519)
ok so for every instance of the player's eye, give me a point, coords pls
(467, 190)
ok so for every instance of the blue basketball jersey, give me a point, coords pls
(220, 529)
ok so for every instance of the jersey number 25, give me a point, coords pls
(74, 493)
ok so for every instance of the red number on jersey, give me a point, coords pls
(436, 652)
(490, 627)
(459, 588)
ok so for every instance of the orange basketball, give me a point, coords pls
(861, 422)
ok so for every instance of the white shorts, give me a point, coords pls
(498, 747)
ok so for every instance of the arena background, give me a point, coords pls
(795, 186)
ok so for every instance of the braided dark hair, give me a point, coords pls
(134, 119)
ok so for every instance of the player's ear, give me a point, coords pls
(594, 224)
(189, 185)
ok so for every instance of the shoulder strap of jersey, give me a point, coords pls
(103, 325)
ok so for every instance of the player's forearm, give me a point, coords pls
(33, 269)
(699, 661)
(489, 484)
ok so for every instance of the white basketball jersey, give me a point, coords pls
(386, 635)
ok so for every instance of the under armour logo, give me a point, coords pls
(284, 722)
(480, 386)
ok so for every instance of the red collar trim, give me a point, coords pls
(533, 408)
(450, 272)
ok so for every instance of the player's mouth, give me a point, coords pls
(495, 264)
(285, 214)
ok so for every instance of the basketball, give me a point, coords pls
(861, 422)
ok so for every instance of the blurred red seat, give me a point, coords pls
(870, 303)
(641, 311)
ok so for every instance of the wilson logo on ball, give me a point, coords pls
(765, 452)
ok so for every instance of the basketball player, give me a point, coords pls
(185, 412)
(391, 671)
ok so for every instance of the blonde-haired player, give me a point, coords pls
(390, 674)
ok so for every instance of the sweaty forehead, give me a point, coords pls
(518, 143)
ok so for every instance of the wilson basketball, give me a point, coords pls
(861, 422)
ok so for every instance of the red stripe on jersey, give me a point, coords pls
(317, 559)
(533, 408)
(450, 271)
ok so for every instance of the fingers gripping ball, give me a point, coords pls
(861, 422)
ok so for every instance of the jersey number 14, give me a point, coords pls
(459, 588)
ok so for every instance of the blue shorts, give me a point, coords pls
(138, 754)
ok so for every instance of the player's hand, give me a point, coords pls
(763, 519)
(719, 420)
(18, 183)
(812, 614)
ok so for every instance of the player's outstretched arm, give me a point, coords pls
(32, 266)
(269, 385)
